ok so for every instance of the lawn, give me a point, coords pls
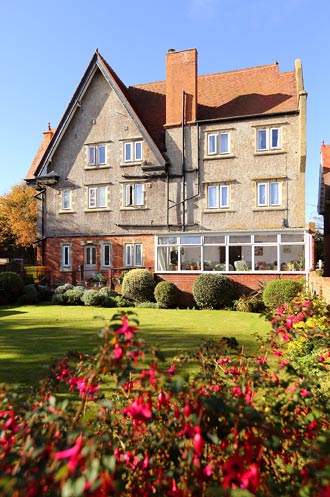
(31, 335)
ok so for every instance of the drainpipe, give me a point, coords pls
(183, 165)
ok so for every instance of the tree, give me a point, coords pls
(18, 216)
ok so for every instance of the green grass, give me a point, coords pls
(30, 336)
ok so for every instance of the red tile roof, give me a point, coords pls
(245, 92)
(258, 90)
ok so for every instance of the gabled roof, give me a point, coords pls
(255, 91)
(48, 135)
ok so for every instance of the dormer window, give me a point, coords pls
(133, 151)
(97, 155)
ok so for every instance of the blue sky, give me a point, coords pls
(45, 48)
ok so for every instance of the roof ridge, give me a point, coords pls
(253, 68)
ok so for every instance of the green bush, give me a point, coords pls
(251, 302)
(44, 293)
(29, 295)
(213, 291)
(91, 298)
(59, 299)
(166, 294)
(122, 302)
(73, 296)
(11, 286)
(280, 291)
(138, 285)
(63, 288)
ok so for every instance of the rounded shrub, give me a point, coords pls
(29, 295)
(63, 288)
(91, 297)
(122, 302)
(213, 291)
(166, 294)
(107, 297)
(280, 291)
(11, 286)
(138, 285)
(73, 296)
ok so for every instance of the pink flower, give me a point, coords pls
(117, 352)
(126, 330)
(138, 410)
(198, 442)
(72, 454)
(304, 392)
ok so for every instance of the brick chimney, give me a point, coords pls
(181, 76)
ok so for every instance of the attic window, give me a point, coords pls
(133, 151)
(97, 155)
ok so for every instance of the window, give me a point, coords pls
(106, 255)
(218, 197)
(97, 155)
(133, 151)
(268, 139)
(218, 144)
(66, 256)
(97, 197)
(66, 199)
(134, 195)
(268, 193)
(133, 254)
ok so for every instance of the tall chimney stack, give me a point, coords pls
(181, 76)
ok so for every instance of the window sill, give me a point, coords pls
(135, 208)
(67, 211)
(218, 211)
(98, 209)
(97, 166)
(133, 163)
(219, 157)
(269, 152)
(269, 208)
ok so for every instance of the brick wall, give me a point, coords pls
(320, 285)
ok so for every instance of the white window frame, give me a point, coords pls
(133, 254)
(97, 197)
(269, 132)
(214, 143)
(219, 189)
(65, 256)
(66, 199)
(106, 247)
(134, 195)
(267, 186)
(93, 158)
(132, 152)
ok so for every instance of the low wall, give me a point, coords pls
(320, 285)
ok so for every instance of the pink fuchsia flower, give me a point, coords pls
(289, 321)
(72, 454)
(171, 370)
(126, 329)
(198, 442)
(117, 352)
(281, 309)
(304, 392)
(250, 478)
(261, 360)
(138, 410)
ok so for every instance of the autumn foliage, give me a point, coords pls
(18, 216)
(240, 427)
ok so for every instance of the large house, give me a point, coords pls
(182, 176)
(324, 204)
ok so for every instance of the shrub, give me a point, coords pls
(91, 297)
(166, 294)
(11, 285)
(138, 285)
(63, 288)
(280, 291)
(29, 295)
(73, 296)
(59, 299)
(44, 293)
(213, 291)
(147, 305)
(251, 302)
(122, 302)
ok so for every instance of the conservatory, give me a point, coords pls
(240, 251)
